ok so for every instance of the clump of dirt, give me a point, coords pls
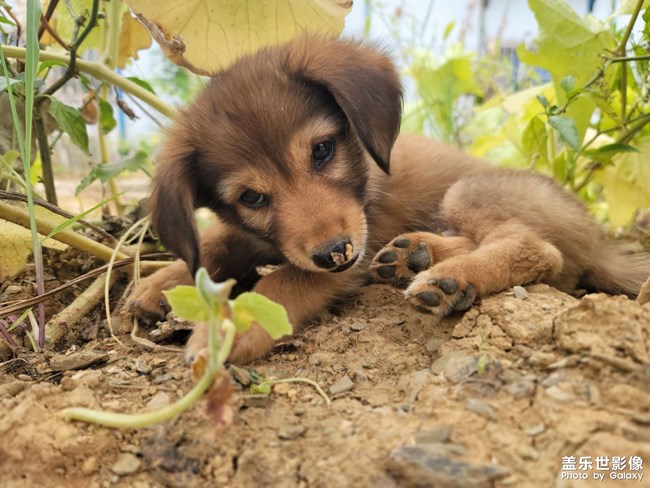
(495, 397)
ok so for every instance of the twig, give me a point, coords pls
(101, 72)
(51, 7)
(623, 59)
(19, 216)
(72, 63)
(57, 210)
(19, 26)
(59, 325)
(22, 304)
(55, 35)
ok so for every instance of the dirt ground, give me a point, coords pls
(495, 397)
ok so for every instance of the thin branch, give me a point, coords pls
(30, 302)
(72, 63)
(51, 7)
(57, 210)
(628, 31)
(623, 59)
(101, 72)
(53, 33)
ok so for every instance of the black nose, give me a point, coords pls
(333, 254)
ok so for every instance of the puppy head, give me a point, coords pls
(280, 145)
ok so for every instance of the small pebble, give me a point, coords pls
(142, 366)
(68, 384)
(289, 432)
(24, 377)
(89, 466)
(126, 463)
(162, 378)
(241, 375)
(13, 289)
(158, 401)
(433, 435)
(535, 430)
(520, 292)
(433, 345)
(483, 409)
(356, 327)
(342, 385)
(255, 401)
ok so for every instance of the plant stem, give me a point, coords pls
(101, 72)
(628, 31)
(18, 215)
(46, 156)
(623, 59)
(135, 420)
(125, 420)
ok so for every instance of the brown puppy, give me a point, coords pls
(291, 148)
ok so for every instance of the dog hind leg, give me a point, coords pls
(510, 254)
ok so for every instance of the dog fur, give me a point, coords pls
(249, 148)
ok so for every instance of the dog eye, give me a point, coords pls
(322, 152)
(251, 198)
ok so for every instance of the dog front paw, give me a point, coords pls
(147, 301)
(399, 261)
(440, 295)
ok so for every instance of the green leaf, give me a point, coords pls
(50, 64)
(106, 120)
(448, 29)
(263, 388)
(186, 303)
(534, 140)
(106, 172)
(70, 120)
(271, 316)
(604, 154)
(567, 84)
(566, 128)
(542, 100)
(141, 83)
(5, 20)
(76, 218)
(12, 81)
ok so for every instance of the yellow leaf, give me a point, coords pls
(133, 37)
(207, 35)
(626, 183)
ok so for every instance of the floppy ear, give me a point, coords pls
(364, 83)
(173, 200)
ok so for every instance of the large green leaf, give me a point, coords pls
(569, 46)
(70, 121)
(271, 316)
(186, 303)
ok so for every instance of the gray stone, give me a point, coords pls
(80, 360)
(480, 408)
(163, 378)
(142, 366)
(255, 401)
(520, 292)
(433, 345)
(521, 389)
(241, 375)
(126, 463)
(430, 465)
(160, 400)
(289, 432)
(433, 435)
(342, 385)
(455, 366)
